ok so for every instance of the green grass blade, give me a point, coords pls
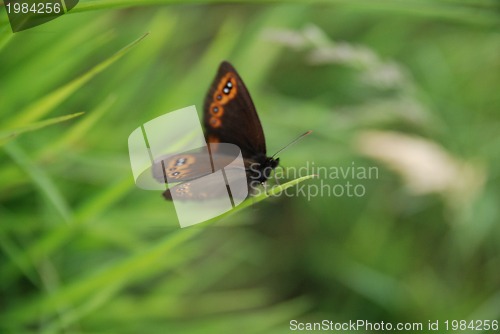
(46, 104)
(275, 191)
(41, 180)
(117, 275)
(49, 243)
(95, 206)
(7, 135)
(460, 12)
(10, 176)
(5, 36)
(79, 130)
(17, 257)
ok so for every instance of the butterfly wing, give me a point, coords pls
(198, 189)
(199, 173)
(230, 116)
(182, 167)
(194, 164)
(209, 187)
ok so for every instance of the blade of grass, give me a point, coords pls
(94, 207)
(116, 275)
(10, 176)
(89, 306)
(82, 45)
(5, 36)
(225, 40)
(275, 191)
(79, 130)
(107, 294)
(41, 180)
(49, 243)
(46, 104)
(17, 257)
(459, 12)
(8, 135)
(290, 16)
(124, 271)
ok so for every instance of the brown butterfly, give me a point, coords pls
(229, 117)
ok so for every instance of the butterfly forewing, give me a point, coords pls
(229, 113)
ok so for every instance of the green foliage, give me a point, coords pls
(84, 250)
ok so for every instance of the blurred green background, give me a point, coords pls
(408, 87)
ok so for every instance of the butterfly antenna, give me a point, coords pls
(292, 142)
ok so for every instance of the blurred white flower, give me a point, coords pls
(322, 50)
(386, 75)
(424, 166)
(290, 38)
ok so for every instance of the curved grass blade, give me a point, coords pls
(41, 180)
(274, 192)
(7, 135)
(460, 12)
(46, 104)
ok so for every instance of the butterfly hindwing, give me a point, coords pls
(206, 188)
(182, 167)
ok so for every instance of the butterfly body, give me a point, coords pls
(229, 116)
(259, 168)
